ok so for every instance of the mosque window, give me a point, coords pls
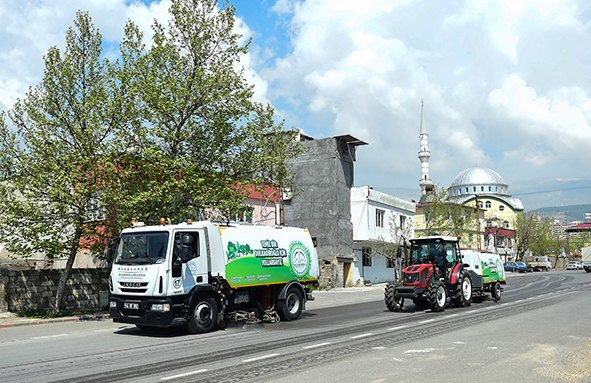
(488, 205)
(501, 208)
(474, 188)
(480, 205)
(506, 224)
(482, 188)
(490, 188)
(489, 223)
(466, 190)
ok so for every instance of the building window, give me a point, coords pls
(489, 223)
(480, 205)
(506, 224)
(488, 205)
(466, 190)
(390, 263)
(482, 188)
(366, 256)
(380, 217)
(490, 188)
(501, 208)
(474, 188)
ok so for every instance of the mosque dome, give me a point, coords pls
(478, 181)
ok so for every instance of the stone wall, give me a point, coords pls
(20, 290)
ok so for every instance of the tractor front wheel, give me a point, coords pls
(392, 303)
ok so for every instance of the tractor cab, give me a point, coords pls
(437, 252)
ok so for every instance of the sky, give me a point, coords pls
(505, 84)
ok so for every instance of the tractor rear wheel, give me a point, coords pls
(463, 291)
(436, 295)
(392, 303)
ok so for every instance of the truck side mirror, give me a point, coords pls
(186, 253)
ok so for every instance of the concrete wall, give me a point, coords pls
(87, 289)
(323, 178)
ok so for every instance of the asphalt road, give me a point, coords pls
(538, 332)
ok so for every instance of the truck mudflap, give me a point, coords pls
(409, 292)
(143, 312)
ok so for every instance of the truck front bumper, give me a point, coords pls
(142, 311)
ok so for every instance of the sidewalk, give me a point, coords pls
(8, 319)
(322, 298)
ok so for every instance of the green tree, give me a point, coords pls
(533, 234)
(445, 216)
(204, 137)
(56, 146)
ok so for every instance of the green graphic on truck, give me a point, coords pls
(267, 263)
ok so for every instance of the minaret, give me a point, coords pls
(424, 154)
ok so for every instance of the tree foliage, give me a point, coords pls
(203, 137)
(534, 235)
(445, 216)
(169, 130)
(51, 156)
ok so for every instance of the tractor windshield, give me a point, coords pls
(427, 252)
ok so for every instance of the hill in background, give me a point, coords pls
(565, 213)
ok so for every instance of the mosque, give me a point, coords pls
(475, 186)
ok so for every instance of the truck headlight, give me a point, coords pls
(163, 307)
(113, 304)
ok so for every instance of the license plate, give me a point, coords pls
(131, 306)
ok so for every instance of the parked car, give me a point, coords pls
(510, 266)
(574, 265)
(524, 267)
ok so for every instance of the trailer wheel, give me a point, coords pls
(392, 303)
(495, 292)
(463, 291)
(436, 295)
(203, 315)
(291, 307)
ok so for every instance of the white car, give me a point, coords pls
(574, 265)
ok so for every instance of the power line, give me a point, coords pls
(555, 190)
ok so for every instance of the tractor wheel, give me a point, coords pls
(436, 295)
(392, 303)
(495, 292)
(463, 291)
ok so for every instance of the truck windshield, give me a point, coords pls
(142, 248)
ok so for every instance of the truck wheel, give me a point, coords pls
(436, 295)
(495, 292)
(203, 315)
(291, 307)
(463, 291)
(392, 303)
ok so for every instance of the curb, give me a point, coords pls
(18, 321)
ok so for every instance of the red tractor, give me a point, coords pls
(434, 272)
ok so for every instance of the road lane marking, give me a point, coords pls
(185, 374)
(397, 328)
(361, 336)
(259, 358)
(317, 345)
(427, 321)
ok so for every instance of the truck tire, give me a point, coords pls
(463, 291)
(291, 307)
(203, 315)
(392, 303)
(436, 295)
(495, 291)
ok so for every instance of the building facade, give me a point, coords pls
(321, 202)
(381, 222)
